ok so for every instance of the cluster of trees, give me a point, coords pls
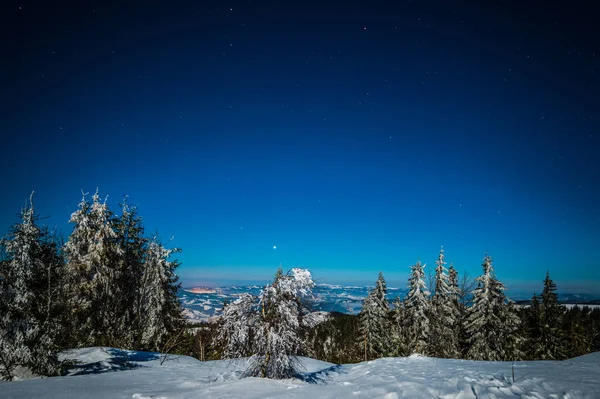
(108, 284)
(459, 318)
(457, 322)
(445, 324)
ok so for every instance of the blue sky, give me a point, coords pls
(355, 137)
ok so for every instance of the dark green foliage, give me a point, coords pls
(335, 339)
(543, 320)
(578, 329)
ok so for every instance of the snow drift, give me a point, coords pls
(112, 373)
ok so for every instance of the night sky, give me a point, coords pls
(355, 137)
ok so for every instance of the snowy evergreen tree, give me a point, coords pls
(50, 297)
(417, 311)
(399, 344)
(491, 324)
(130, 321)
(511, 337)
(279, 337)
(444, 315)
(93, 271)
(373, 322)
(547, 340)
(367, 327)
(459, 309)
(160, 309)
(383, 310)
(24, 339)
(238, 322)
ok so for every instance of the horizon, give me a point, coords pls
(346, 138)
(526, 291)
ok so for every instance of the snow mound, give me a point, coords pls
(115, 373)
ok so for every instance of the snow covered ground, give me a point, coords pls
(103, 373)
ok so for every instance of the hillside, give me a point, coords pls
(103, 374)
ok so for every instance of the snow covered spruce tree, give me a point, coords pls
(546, 332)
(417, 311)
(399, 337)
(238, 322)
(93, 253)
(374, 327)
(49, 288)
(131, 320)
(161, 314)
(491, 325)
(460, 309)
(512, 337)
(444, 315)
(24, 332)
(278, 336)
(270, 327)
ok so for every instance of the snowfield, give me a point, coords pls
(104, 373)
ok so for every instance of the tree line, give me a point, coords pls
(453, 321)
(108, 284)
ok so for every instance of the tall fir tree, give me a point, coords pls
(130, 238)
(547, 342)
(24, 338)
(160, 310)
(444, 315)
(92, 253)
(374, 329)
(491, 325)
(50, 292)
(399, 337)
(417, 311)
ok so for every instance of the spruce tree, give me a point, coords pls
(92, 253)
(417, 311)
(444, 315)
(237, 323)
(161, 314)
(373, 322)
(50, 293)
(278, 336)
(130, 238)
(399, 337)
(547, 333)
(24, 339)
(491, 325)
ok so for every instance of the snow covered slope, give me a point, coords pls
(104, 373)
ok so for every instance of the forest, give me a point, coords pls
(109, 284)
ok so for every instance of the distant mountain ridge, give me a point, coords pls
(327, 297)
(570, 299)
(207, 303)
